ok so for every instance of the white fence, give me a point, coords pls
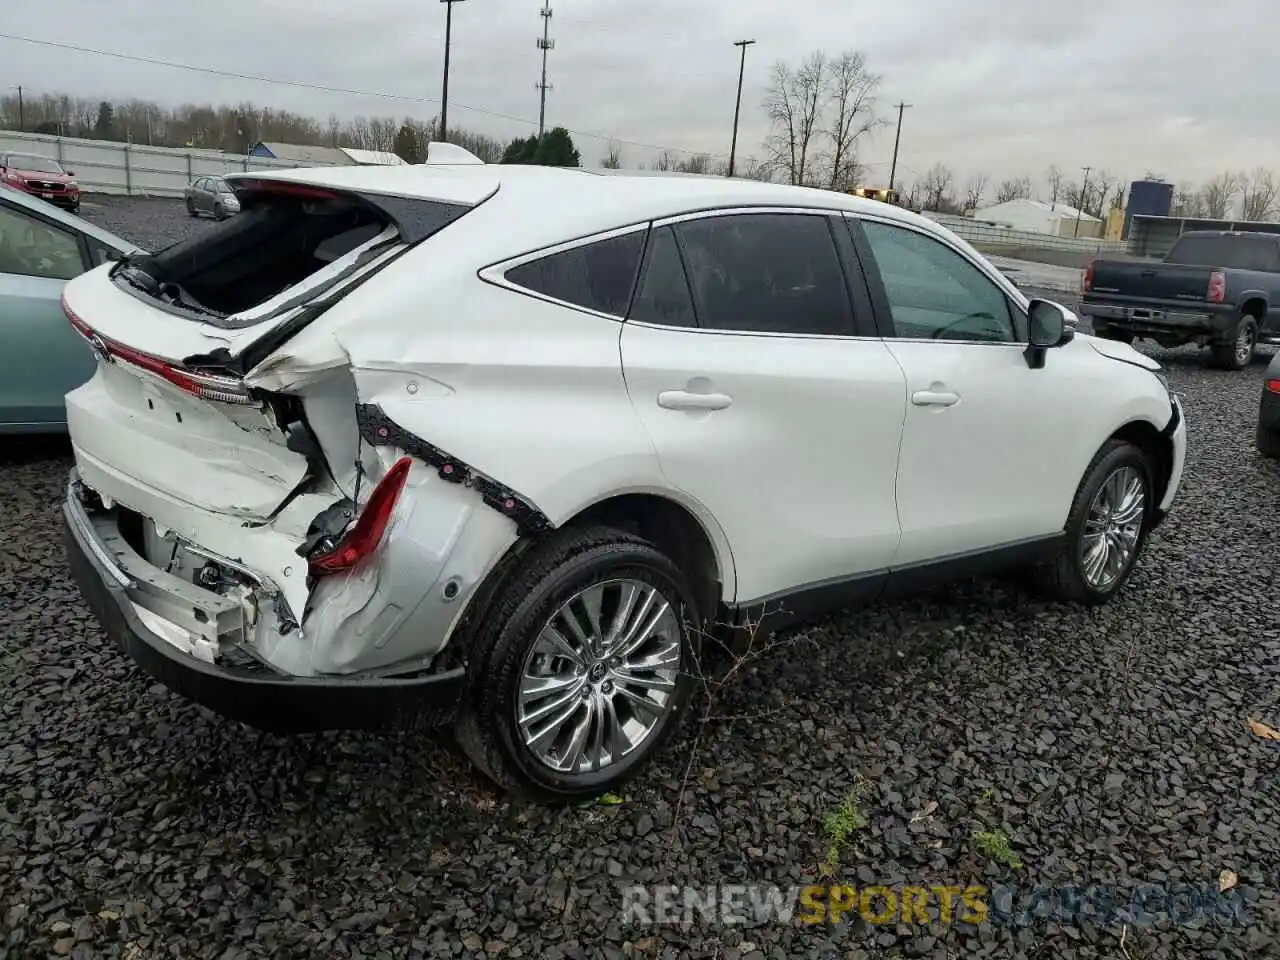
(104, 166)
(982, 234)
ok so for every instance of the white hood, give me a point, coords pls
(1121, 351)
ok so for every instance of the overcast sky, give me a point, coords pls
(999, 88)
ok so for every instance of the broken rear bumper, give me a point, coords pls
(258, 696)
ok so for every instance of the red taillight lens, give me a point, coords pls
(282, 187)
(370, 526)
(1273, 386)
(204, 386)
(1217, 286)
(1086, 280)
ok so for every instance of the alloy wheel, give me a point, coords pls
(1244, 344)
(600, 676)
(1113, 527)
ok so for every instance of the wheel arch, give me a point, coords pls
(1254, 305)
(1156, 446)
(698, 547)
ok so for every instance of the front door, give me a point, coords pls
(42, 358)
(992, 450)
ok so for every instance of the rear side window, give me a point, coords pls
(596, 276)
(766, 273)
(1242, 253)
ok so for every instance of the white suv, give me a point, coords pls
(500, 446)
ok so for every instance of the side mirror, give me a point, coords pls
(69, 173)
(1048, 327)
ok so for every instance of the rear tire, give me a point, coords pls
(575, 577)
(1237, 352)
(191, 208)
(1108, 522)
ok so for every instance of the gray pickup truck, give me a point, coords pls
(1214, 288)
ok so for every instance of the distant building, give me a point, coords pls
(308, 155)
(1036, 216)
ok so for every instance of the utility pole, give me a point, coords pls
(897, 137)
(22, 118)
(545, 43)
(442, 133)
(1084, 192)
(737, 107)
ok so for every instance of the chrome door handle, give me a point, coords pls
(685, 400)
(934, 398)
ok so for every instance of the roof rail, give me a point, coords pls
(440, 153)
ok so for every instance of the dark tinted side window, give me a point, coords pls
(598, 276)
(1243, 253)
(766, 272)
(663, 295)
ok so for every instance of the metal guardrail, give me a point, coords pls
(133, 170)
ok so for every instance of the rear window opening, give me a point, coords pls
(285, 237)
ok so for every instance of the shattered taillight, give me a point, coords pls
(364, 537)
(204, 386)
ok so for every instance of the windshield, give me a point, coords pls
(1243, 253)
(20, 161)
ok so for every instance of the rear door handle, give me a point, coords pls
(934, 398)
(685, 400)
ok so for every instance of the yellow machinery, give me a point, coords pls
(883, 194)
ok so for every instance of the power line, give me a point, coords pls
(327, 88)
(545, 43)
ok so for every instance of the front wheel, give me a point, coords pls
(1237, 352)
(582, 667)
(1106, 528)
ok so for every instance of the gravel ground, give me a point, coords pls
(1110, 745)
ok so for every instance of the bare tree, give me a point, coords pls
(853, 98)
(1055, 178)
(1015, 188)
(793, 105)
(1101, 184)
(1219, 193)
(666, 160)
(698, 163)
(1258, 196)
(974, 187)
(936, 188)
(613, 160)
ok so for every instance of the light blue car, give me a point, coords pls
(41, 357)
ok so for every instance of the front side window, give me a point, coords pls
(596, 276)
(934, 293)
(30, 247)
(766, 273)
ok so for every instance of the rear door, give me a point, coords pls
(767, 397)
(41, 358)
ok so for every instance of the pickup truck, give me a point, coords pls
(1214, 289)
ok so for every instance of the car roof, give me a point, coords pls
(547, 204)
(47, 210)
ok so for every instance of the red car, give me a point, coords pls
(41, 177)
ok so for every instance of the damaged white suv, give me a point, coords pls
(501, 446)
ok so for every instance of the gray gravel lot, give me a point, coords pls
(1110, 745)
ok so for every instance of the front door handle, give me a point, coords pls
(686, 400)
(935, 398)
